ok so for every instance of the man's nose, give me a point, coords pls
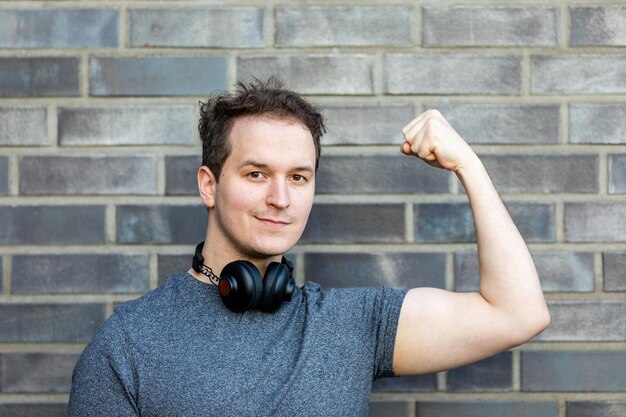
(278, 195)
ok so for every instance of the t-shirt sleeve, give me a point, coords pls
(102, 379)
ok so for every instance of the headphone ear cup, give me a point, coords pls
(277, 287)
(240, 286)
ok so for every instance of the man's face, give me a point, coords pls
(265, 190)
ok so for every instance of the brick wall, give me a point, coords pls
(98, 152)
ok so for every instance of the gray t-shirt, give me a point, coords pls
(178, 351)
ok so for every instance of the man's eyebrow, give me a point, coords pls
(257, 164)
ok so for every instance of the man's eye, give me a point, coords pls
(255, 175)
(298, 178)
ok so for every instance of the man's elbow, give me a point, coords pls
(532, 324)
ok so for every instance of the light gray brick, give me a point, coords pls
(597, 123)
(596, 408)
(543, 173)
(480, 408)
(65, 225)
(590, 371)
(397, 269)
(343, 26)
(161, 224)
(614, 271)
(79, 273)
(490, 26)
(49, 323)
(170, 264)
(388, 409)
(39, 77)
(617, 174)
(98, 174)
(558, 271)
(58, 28)
(157, 76)
(595, 222)
(355, 223)
(422, 383)
(23, 126)
(503, 123)
(452, 74)
(128, 125)
(579, 74)
(587, 321)
(491, 374)
(345, 174)
(599, 25)
(181, 174)
(236, 27)
(4, 175)
(42, 409)
(343, 74)
(49, 372)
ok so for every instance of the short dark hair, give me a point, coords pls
(256, 98)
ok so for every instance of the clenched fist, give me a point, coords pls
(431, 138)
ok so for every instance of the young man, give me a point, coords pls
(242, 345)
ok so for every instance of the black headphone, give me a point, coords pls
(242, 288)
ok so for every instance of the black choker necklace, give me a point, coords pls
(199, 266)
(208, 272)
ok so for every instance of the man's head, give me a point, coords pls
(267, 99)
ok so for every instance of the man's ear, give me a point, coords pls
(206, 186)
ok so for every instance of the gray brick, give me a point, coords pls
(343, 74)
(491, 374)
(507, 123)
(97, 174)
(388, 409)
(393, 174)
(37, 372)
(601, 25)
(237, 27)
(58, 28)
(614, 267)
(157, 76)
(69, 224)
(79, 273)
(543, 173)
(478, 408)
(597, 123)
(452, 74)
(366, 124)
(161, 224)
(490, 26)
(453, 222)
(355, 223)
(39, 77)
(23, 126)
(397, 269)
(49, 323)
(596, 408)
(33, 410)
(181, 174)
(170, 264)
(343, 26)
(423, 383)
(595, 222)
(128, 125)
(617, 174)
(4, 175)
(579, 74)
(558, 271)
(589, 371)
(601, 321)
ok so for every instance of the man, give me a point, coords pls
(187, 349)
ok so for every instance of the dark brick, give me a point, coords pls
(49, 323)
(597, 123)
(170, 264)
(355, 223)
(491, 374)
(370, 174)
(558, 271)
(614, 271)
(157, 76)
(397, 269)
(128, 125)
(79, 273)
(478, 408)
(595, 222)
(388, 409)
(586, 321)
(37, 372)
(39, 77)
(589, 371)
(69, 224)
(59, 28)
(617, 174)
(161, 224)
(4, 175)
(406, 384)
(596, 408)
(181, 174)
(33, 410)
(508, 123)
(23, 126)
(96, 174)
(600, 25)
